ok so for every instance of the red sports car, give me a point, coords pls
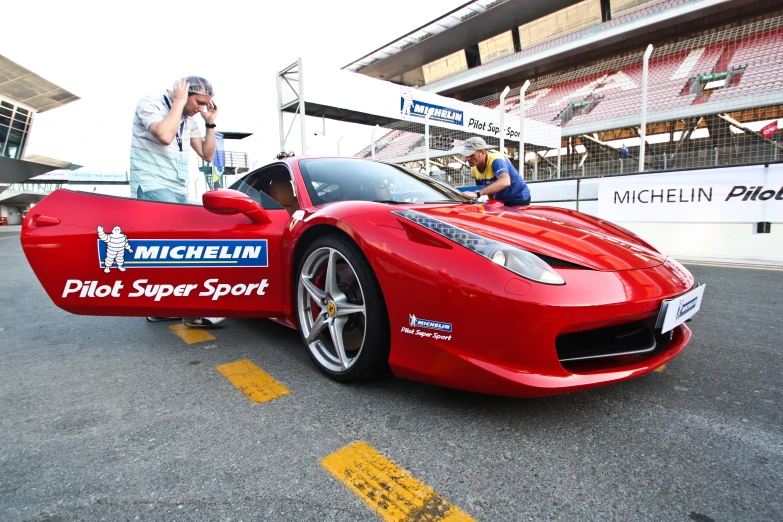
(379, 267)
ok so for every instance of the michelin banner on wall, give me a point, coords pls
(359, 93)
(733, 195)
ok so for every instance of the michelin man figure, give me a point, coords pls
(407, 102)
(116, 245)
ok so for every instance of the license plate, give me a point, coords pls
(676, 311)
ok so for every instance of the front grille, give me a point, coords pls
(636, 338)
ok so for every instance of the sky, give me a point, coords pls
(110, 54)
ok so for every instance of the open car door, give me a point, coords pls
(103, 255)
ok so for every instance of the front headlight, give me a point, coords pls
(499, 257)
(515, 259)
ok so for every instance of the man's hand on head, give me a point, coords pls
(179, 96)
(210, 114)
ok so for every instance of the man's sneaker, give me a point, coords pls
(159, 319)
(203, 322)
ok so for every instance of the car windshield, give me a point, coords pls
(335, 179)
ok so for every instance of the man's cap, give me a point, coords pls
(199, 85)
(472, 145)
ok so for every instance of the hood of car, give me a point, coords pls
(556, 233)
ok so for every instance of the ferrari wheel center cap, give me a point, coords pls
(331, 308)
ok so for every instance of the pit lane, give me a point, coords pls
(116, 418)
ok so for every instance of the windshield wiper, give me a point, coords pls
(444, 201)
(391, 201)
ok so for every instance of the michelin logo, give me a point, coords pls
(687, 307)
(414, 108)
(415, 322)
(116, 248)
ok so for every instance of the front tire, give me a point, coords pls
(341, 311)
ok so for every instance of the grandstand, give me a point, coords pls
(715, 84)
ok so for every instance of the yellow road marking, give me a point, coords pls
(191, 335)
(735, 266)
(391, 491)
(254, 382)
(660, 368)
(9, 237)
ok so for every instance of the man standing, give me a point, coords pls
(164, 131)
(494, 171)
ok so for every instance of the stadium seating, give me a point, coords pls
(761, 56)
(674, 81)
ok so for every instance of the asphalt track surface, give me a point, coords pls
(120, 419)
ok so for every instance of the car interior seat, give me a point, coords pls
(283, 193)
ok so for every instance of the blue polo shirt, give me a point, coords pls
(498, 164)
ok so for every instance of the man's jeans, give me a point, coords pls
(163, 195)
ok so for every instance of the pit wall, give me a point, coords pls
(704, 214)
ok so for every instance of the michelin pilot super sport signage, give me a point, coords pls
(418, 328)
(737, 195)
(362, 94)
(117, 252)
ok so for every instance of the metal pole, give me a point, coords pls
(502, 125)
(664, 161)
(643, 130)
(522, 91)
(373, 141)
(338, 144)
(280, 111)
(716, 155)
(535, 169)
(559, 146)
(427, 143)
(302, 108)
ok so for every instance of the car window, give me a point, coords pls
(251, 184)
(335, 179)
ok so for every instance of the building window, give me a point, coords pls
(564, 20)
(496, 47)
(14, 128)
(445, 66)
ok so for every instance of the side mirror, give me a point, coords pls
(227, 201)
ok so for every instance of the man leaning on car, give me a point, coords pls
(496, 173)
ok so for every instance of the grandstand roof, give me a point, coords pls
(16, 171)
(464, 26)
(24, 86)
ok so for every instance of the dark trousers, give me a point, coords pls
(523, 203)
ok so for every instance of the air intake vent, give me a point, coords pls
(636, 338)
(559, 263)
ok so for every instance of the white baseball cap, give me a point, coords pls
(472, 145)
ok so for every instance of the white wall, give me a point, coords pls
(725, 241)
(728, 242)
